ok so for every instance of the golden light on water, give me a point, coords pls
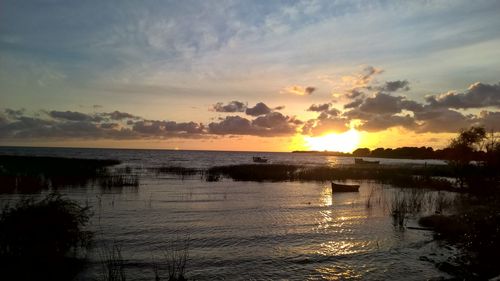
(344, 142)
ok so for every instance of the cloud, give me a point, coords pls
(490, 120)
(233, 106)
(166, 128)
(319, 107)
(72, 124)
(259, 109)
(117, 115)
(70, 115)
(393, 86)
(441, 120)
(478, 95)
(299, 90)
(269, 125)
(377, 123)
(325, 124)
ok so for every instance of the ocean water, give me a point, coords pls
(248, 230)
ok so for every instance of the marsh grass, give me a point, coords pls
(171, 265)
(119, 180)
(175, 258)
(175, 170)
(44, 239)
(112, 263)
(401, 176)
(32, 174)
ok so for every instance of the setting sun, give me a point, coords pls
(345, 142)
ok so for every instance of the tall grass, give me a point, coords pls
(402, 176)
(112, 263)
(170, 266)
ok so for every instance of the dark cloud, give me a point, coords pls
(310, 90)
(231, 125)
(70, 115)
(281, 107)
(441, 120)
(393, 86)
(166, 128)
(382, 104)
(490, 120)
(233, 106)
(269, 125)
(14, 114)
(299, 90)
(353, 104)
(117, 115)
(319, 107)
(354, 93)
(381, 122)
(259, 109)
(325, 124)
(368, 73)
(71, 124)
(478, 95)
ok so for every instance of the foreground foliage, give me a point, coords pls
(42, 239)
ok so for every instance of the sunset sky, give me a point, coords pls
(247, 75)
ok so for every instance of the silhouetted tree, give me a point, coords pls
(464, 148)
(361, 152)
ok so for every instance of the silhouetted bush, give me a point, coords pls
(41, 239)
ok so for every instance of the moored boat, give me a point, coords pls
(258, 159)
(345, 187)
(360, 161)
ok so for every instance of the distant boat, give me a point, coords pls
(258, 159)
(360, 161)
(344, 187)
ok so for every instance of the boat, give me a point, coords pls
(344, 187)
(258, 159)
(360, 161)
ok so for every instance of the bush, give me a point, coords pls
(42, 238)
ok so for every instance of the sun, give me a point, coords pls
(344, 142)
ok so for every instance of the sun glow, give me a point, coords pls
(345, 142)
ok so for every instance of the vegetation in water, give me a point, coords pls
(43, 240)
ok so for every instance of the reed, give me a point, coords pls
(401, 176)
(112, 263)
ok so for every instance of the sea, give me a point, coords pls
(230, 230)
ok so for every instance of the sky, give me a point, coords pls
(247, 75)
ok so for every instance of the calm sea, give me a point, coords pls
(248, 230)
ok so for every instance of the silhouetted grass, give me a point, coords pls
(176, 170)
(403, 176)
(113, 264)
(173, 262)
(31, 174)
(475, 229)
(111, 181)
(40, 240)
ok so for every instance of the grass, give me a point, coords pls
(119, 180)
(401, 176)
(174, 170)
(43, 239)
(173, 262)
(31, 174)
(475, 228)
(112, 263)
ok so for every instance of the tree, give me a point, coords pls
(361, 152)
(463, 149)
